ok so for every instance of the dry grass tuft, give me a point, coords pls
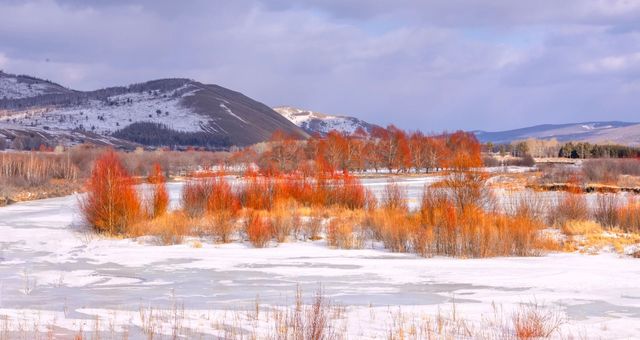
(532, 321)
(345, 233)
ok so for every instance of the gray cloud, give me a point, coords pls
(433, 65)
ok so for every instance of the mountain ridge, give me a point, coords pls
(30, 105)
(619, 132)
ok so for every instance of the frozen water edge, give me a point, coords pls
(49, 264)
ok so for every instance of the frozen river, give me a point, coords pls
(50, 267)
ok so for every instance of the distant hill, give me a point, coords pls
(624, 133)
(320, 123)
(167, 112)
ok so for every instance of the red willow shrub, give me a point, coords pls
(111, 204)
(159, 195)
(264, 192)
(629, 216)
(258, 230)
(221, 195)
(195, 195)
(256, 192)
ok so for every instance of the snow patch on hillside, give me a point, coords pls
(320, 122)
(107, 116)
(11, 88)
(228, 110)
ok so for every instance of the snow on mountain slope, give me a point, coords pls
(113, 113)
(170, 112)
(17, 87)
(315, 122)
(619, 132)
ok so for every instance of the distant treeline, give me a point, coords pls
(156, 134)
(553, 148)
(587, 150)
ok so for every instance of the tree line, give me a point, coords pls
(389, 149)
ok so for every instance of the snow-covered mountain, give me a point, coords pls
(320, 123)
(594, 132)
(173, 112)
(21, 86)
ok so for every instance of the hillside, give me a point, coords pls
(165, 112)
(595, 132)
(21, 86)
(320, 123)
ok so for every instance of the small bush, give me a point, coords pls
(159, 196)
(195, 195)
(629, 216)
(258, 230)
(606, 210)
(570, 206)
(221, 225)
(111, 204)
(284, 220)
(533, 322)
(221, 195)
(313, 226)
(343, 233)
(169, 228)
(256, 193)
(394, 197)
(395, 227)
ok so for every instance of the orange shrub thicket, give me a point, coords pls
(111, 204)
(263, 192)
(258, 230)
(470, 231)
(629, 216)
(195, 195)
(221, 195)
(256, 193)
(570, 206)
(159, 196)
(341, 233)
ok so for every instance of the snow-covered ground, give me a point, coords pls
(52, 271)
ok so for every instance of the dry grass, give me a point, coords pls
(590, 237)
(285, 221)
(581, 227)
(395, 227)
(606, 210)
(221, 225)
(312, 227)
(570, 206)
(532, 321)
(629, 216)
(345, 233)
(169, 228)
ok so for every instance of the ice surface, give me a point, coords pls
(50, 263)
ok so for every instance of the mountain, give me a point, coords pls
(21, 86)
(165, 112)
(320, 123)
(594, 132)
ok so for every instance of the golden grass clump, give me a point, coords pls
(345, 233)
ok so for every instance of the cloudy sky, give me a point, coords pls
(427, 64)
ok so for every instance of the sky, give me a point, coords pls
(431, 65)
